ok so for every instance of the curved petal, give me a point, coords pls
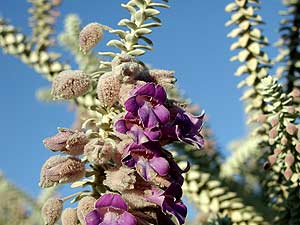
(178, 209)
(127, 218)
(153, 134)
(131, 104)
(147, 116)
(111, 200)
(160, 94)
(147, 89)
(162, 113)
(120, 126)
(144, 169)
(160, 165)
(93, 218)
(138, 135)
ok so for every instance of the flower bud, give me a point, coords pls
(262, 118)
(289, 159)
(273, 133)
(272, 159)
(295, 93)
(277, 151)
(85, 205)
(58, 169)
(297, 147)
(291, 128)
(274, 121)
(164, 78)
(288, 173)
(108, 89)
(69, 217)
(120, 179)
(90, 36)
(98, 152)
(283, 140)
(70, 84)
(67, 141)
(51, 210)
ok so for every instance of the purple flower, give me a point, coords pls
(186, 128)
(169, 201)
(111, 209)
(147, 159)
(134, 128)
(147, 103)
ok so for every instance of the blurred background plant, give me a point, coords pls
(258, 183)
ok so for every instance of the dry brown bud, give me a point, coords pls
(288, 173)
(289, 159)
(68, 141)
(295, 93)
(70, 84)
(51, 210)
(291, 109)
(277, 151)
(58, 169)
(85, 205)
(98, 152)
(122, 58)
(291, 128)
(69, 217)
(120, 179)
(90, 36)
(262, 118)
(274, 121)
(128, 69)
(108, 90)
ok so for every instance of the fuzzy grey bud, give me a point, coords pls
(90, 36)
(58, 169)
(69, 217)
(85, 205)
(68, 141)
(51, 210)
(108, 89)
(70, 84)
(98, 152)
(120, 179)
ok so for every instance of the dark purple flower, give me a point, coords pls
(147, 159)
(169, 201)
(111, 209)
(187, 128)
(147, 103)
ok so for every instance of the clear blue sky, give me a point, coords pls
(192, 42)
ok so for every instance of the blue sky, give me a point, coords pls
(192, 42)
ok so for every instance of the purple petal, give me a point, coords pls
(178, 209)
(147, 116)
(153, 134)
(160, 165)
(93, 218)
(148, 89)
(120, 126)
(174, 190)
(160, 94)
(127, 218)
(111, 200)
(131, 104)
(162, 113)
(138, 135)
(144, 169)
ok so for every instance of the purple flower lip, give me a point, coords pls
(169, 201)
(147, 159)
(111, 209)
(188, 127)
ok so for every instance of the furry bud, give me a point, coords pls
(274, 121)
(68, 141)
(69, 217)
(90, 36)
(288, 173)
(51, 210)
(273, 133)
(108, 89)
(262, 118)
(70, 84)
(58, 169)
(291, 128)
(164, 78)
(272, 159)
(277, 151)
(85, 205)
(283, 140)
(297, 147)
(120, 179)
(98, 152)
(289, 159)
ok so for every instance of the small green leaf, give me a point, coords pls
(110, 54)
(147, 25)
(142, 31)
(147, 40)
(152, 12)
(159, 5)
(139, 17)
(130, 8)
(117, 44)
(137, 52)
(140, 3)
(143, 46)
(121, 33)
(128, 23)
(156, 19)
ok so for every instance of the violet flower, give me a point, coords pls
(169, 201)
(111, 209)
(147, 103)
(147, 159)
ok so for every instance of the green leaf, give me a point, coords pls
(156, 19)
(147, 40)
(128, 23)
(143, 46)
(140, 3)
(159, 5)
(152, 12)
(130, 8)
(254, 48)
(117, 44)
(151, 25)
(111, 54)
(137, 52)
(139, 17)
(121, 33)
(142, 31)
